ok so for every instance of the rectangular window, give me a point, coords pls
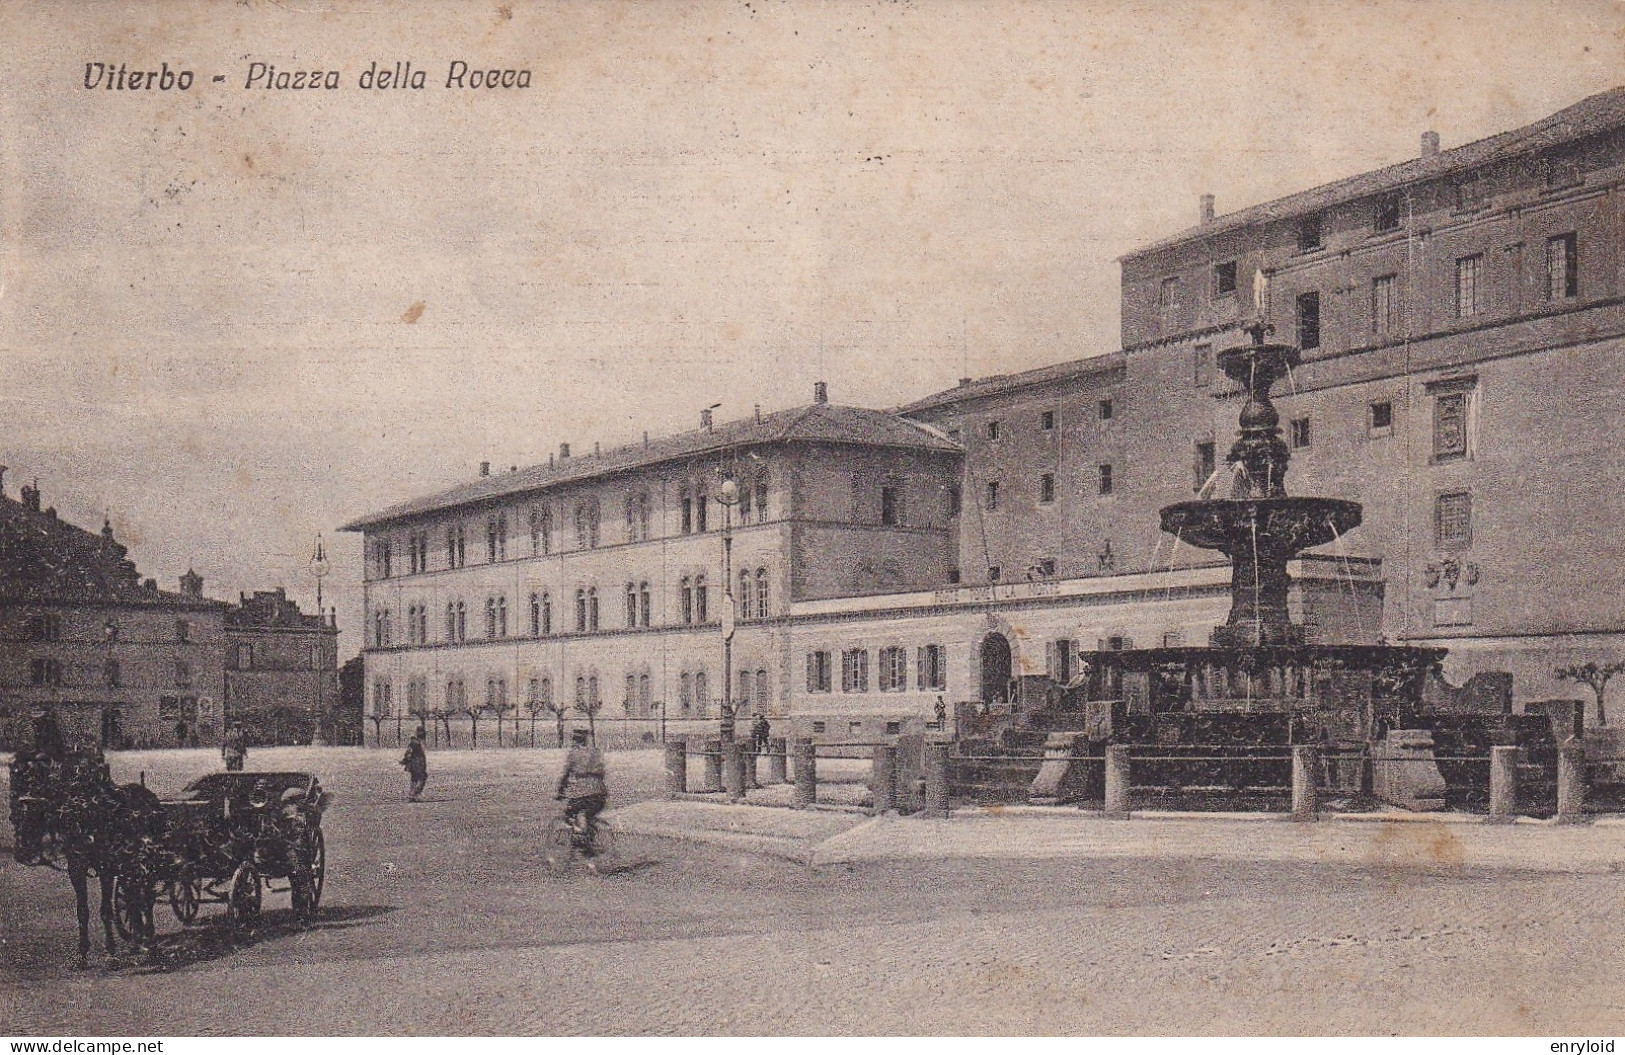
(1562, 268)
(1308, 320)
(818, 672)
(1046, 488)
(993, 573)
(1046, 421)
(953, 500)
(1202, 365)
(1300, 433)
(1562, 172)
(1384, 307)
(1105, 410)
(183, 674)
(1453, 520)
(245, 656)
(1387, 213)
(1045, 568)
(1450, 425)
(183, 631)
(1105, 479)
(1308, 234)
(1381, 421)
(889, 505)
(1204, 467)
(1168, 294)
(993, 495)
(1060, 659)
(1468, 270)
(1224, 278)
(893, 673)
(993, 430)
(855, 670)
(932, 667)
(1470, 194)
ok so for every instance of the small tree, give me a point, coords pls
(1595, 677)
(473, 712)
(590, 705)
(499, 707)
(377, 729)
(558, 710)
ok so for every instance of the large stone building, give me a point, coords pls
(1460, 316)
(281, 670)
(118, 660)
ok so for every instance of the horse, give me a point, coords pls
(68, 814)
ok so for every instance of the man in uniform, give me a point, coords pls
(581, 784)
(416, 761)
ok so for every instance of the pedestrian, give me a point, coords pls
(760, 730)
(416, 761)
(941, 712)
(582, 788)
(234, 748)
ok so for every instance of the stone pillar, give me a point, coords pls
(1571, 782)
(777, 748)
(1305, 782)
(676, 766)
(1503, 784)
(713, 767)
(883, 779)
(806, 773)
(1117, 781)
(733, 769)
(936, 779)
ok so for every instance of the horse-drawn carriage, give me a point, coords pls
(226, 840)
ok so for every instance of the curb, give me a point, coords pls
(798, 850)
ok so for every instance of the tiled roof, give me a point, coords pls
(818, 423)
(999, 383)
(1602, 112)
(45, 559)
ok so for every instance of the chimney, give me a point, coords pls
(758, 413)
(485, 468)
(1430, 144)
(820, 392)
(1207, 208)
(192, 584)
(151, 585)
(705, 420)
(595, 448)
(3, 480)
(564, 451)
(645, 439)
(964, 382)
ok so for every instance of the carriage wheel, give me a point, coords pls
(132, 908)
(603, 845)
(310, 877)
(184, 895)
(243, 903)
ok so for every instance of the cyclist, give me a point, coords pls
(582, 785)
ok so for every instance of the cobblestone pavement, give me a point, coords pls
(438, 919)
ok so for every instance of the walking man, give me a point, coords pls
(416, 762)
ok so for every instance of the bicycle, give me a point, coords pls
(594, 842)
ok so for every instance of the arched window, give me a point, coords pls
(761, 700)
(581, 610)
(685, 600)
(685, 694)
(490, 617)
(592, 692)
(451, 621)
(744, 501)
(761, 497)
(631, 694)
(581, 692)
(699, 599)
(702, 696)
(535, 615)
(462, 622)
(547, 614)
(502, 617)
(761, 593)
(643, 602)
(745, 594)
(631, 605)
(645, 703)
(699, 510)
(592, 608)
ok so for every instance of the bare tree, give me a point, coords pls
(499, 707)
(473, 713)
(1595, 677)
(558, 710)
(589, 705)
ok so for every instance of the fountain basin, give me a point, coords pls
(1281, 525)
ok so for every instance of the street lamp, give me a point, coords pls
(319, 568)
(728, 495)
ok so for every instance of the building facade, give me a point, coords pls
(1461, 321)
(120, 662)
(281, 666)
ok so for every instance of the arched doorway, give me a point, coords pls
(995, 668)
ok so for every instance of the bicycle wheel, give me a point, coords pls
(558, 846)
(603, 844)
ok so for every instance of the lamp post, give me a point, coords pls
(728, 495)
(319, 568)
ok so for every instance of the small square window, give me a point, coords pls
(1224, 278)
(1382, 418)
(894, 728)
(1046, 488)
(993, 573)
(1387, 213)
(953, 576)
(818, 727)
(1105, 410)
(855, 728)
(1046, 567)
(1308, 233)
(1562, 270)
(1046, 421)
(1300, 433)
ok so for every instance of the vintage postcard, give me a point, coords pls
(777, 518)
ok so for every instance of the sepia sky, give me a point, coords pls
(233, 317)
